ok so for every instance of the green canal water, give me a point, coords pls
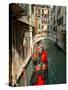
(56, 63)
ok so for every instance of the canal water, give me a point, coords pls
(56, 63)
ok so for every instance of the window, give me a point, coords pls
(38, 11)
(53, 8)
(54, 20)
(39, 26)
(55, 28)
(42, 27)
(51, 26)
(43, 11)
(60, 21)
(42, 19)
(45, 15)
(59, 8)
(43, 6)
(48, 27)
(32, 9)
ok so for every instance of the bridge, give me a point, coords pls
(42, 36)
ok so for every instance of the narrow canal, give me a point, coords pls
(56, 63)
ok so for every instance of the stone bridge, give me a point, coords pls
(42, 36)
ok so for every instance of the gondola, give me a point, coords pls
(40, 63)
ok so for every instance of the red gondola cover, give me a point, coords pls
(44, 56)
(40, 80)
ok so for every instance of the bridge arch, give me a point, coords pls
(36, 39)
